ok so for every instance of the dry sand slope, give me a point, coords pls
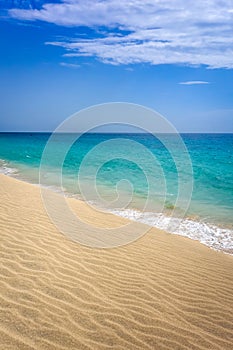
(160, 292)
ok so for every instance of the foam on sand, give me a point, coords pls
(162, 291)
(210, 235)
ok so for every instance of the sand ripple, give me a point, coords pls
(160, 292)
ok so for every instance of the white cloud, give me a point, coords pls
(194, 82)
(70, 65)
(158, 31)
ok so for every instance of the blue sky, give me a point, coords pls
(173, 56)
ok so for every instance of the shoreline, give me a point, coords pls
(214, 236)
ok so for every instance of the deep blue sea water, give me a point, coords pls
(144, 164)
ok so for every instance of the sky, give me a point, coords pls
(174, 56)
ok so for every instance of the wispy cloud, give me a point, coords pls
(155, 32)
(70, 65)
(194, 82)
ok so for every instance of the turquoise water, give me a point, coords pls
(211, 156)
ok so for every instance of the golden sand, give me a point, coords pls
(160, 292)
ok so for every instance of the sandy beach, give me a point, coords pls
(160, 292)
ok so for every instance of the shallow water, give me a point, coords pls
(136, 176)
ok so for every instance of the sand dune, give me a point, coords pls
(160, 292)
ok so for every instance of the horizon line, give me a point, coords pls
(120, 132)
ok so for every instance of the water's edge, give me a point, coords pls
(217, 238)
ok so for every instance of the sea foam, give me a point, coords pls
(208, 234)
(6, 169)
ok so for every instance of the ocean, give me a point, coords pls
(118, 172)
